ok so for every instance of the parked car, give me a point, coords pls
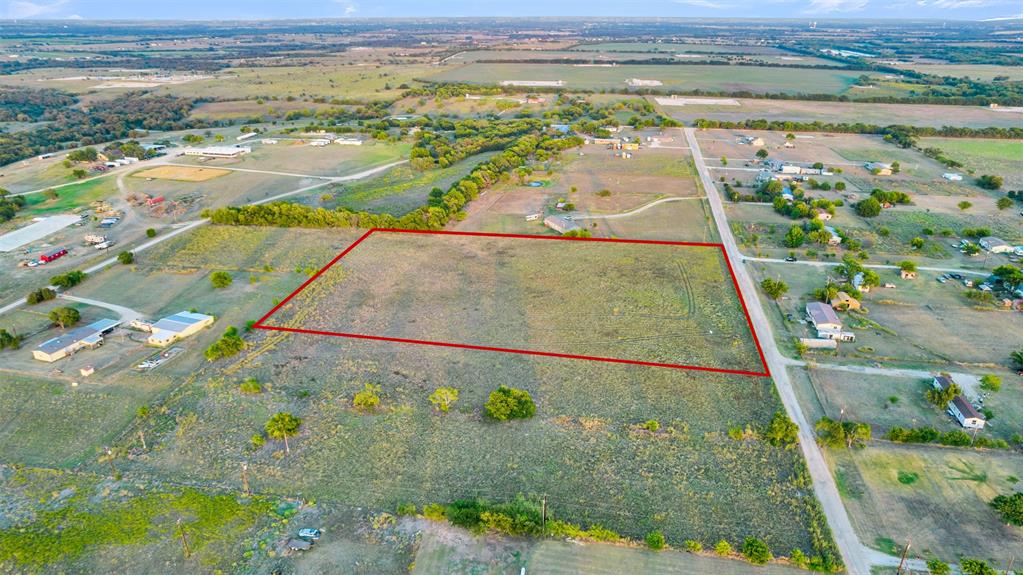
(299, 545)
(310, 534)
(790, 259)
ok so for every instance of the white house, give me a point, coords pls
(826, 322)
(952, 176)
(995, 245)
(218, 151)
(178, 326)
(965, 414)
(346, 141)
(319, 143)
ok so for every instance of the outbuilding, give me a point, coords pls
(176, 327)
(86, 337)
(965, 413)
(995, 245)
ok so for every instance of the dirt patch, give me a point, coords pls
(181, 173)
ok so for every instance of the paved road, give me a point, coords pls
(127, 314)
(635, 211)
(983, 274)
(849, 546)
(183, 227)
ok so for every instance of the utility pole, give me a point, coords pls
(184, 540)
(543, 511)
(245, 479)
(902, 563)
(142, 438)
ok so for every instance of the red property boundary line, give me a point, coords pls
(745, 310)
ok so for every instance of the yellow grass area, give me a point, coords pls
(181, 173)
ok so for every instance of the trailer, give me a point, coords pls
(52, 255)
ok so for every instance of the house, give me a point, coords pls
(86, 337)
(965, 413)
(857, 282)
(54, 254)
(791, 169)
(268, 141)
(822, 214)
(319, 143)
(826, 322)
(995, 245)
(176, 327)
(560, 224)
(942, 382)
(763, 176)
(907, 275)
(835, 239)
(952, 177)
(218, 151)
(878, 168)
(349, 141)
(844, 301)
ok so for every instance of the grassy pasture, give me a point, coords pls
(231, 189)
(999, 157)
(945, 509)
(34, 174)
(296, 157)
(676, 48)
(985, 72)
(70, 197)
(181, 173)
(713, 78)
(848, 112)
(675, 294)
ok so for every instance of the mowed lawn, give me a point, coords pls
(673, 77)
(655, 303)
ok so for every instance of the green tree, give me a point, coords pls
(840, 186)
(1011, 507)
(126, 258)
(443, 397)
(368, 399)
(65, 316)
(916, 243)
(762, 153)
(976, 567)
(842, 434)
(756, 551)
(938, 567)
(9, 340)
(1004, 203)
(79, 173)
(150, 233)
(40, 295)
(774, 288)
(723, 548)
(509, 403)
(782, 431)
(655, 540)
(989, 182)
(1017, 358)
(228, 345)
(281, 426)
(795, 237)
(868, 208)
(724, 161)
(251, 386)
(965, 205)
(221, 280)
(941, 397)
(907, 266)
(991, 382)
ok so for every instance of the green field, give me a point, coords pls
(985, 72)
(673, 77)
(70, 197)
(998, 157)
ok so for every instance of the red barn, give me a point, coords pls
(53, 254)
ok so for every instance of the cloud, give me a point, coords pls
(1000, 18)
(704, 4)
(26, 9)
(825, 6)
(350, 7)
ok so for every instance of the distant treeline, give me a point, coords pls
(901, 134)
(26, 105)
(673, 62)
(441, 208)
(104, 122)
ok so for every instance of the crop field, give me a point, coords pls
(985, 72)
(294, 157)
(677, 294)
(941, 500)
(181, 173)
(397, 191)
(679, 77)
(847, 112)
(999, 157)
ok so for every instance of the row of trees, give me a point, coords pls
(9, 205)
(904, 136)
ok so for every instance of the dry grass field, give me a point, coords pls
(181, 173)
(941, 501)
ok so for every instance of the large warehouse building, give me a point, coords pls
(178, 326)
(80, 338)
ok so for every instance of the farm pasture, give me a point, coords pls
(984, 72)
(998, 157)
(297, 157)
(181, 173)
(944, 511)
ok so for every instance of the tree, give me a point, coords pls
(842, 434)
(756, 551)
(896, 167)
(1011, 507)
(762, 153)
(1017, 358)
(774, 288)
(976, 567)
(443, 397)
(723, 548)
(126, 258)
(9, 340)
(65, 316)
(989, 182)
(281, 426)
(1004, 203)
(220, 280)
(724, 161)
(938, 567)
(40, 295)
(907, 266)
(655, 540)
(840, 186)
(251, 386)
(965, 205)
(229, 344)
(79, 173)
(868, 208)
(795, 237)
(509, 403)
(917, 243)
(368, 399)
(782, 431)
(69, 279)
(941, 397)
(991, 382)
(150, 233)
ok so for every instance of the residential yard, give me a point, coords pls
(936, 497)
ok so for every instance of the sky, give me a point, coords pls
(277, 9)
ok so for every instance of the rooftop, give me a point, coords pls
(89, 334)
(966, 408)
(180, 321)
(822, 313)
